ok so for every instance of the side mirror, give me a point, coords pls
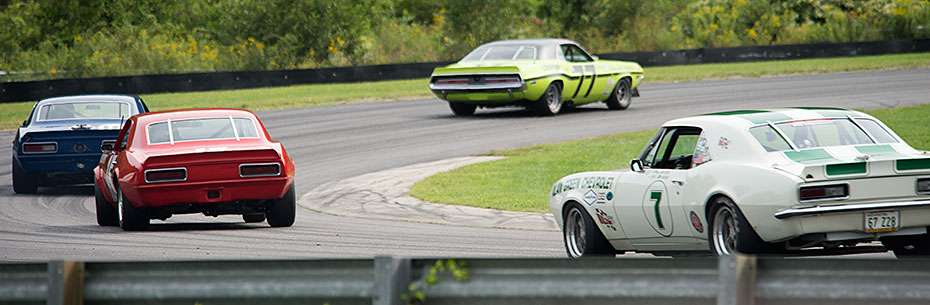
(636, 165)
(26, 122)
(107, 146)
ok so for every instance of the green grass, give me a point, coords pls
(522, 181)
(298, 96)
(786, 67)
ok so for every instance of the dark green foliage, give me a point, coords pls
(85, 38)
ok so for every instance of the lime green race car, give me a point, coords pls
(542, 75)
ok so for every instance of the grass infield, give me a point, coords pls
(299, 96)
(522, 181)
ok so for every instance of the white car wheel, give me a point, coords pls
(724, 231)
(730, 232)
(582, 236)
(574, 233)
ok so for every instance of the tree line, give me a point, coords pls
(88, 38)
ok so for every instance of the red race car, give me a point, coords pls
(210, 161)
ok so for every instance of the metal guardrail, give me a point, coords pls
(24, 283)
(189, 82)
(391, 281)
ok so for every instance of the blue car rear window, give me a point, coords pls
(83, 110)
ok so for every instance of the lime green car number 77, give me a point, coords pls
(542, 75)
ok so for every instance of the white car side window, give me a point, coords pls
(701, 152)
(676, 149)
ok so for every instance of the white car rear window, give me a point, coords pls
(820, 133)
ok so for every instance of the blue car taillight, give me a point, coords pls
(40, 148)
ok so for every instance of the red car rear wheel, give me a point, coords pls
(281, 211)
(131, 218)
(106, 213)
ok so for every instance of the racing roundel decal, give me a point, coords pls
(656, 209)
(79, 148)
(696, 222)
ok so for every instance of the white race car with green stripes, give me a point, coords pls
(758, 181)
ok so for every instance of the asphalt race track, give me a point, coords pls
(332, 143)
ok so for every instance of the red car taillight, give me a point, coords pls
(823, 192)
(259, 170)
(452, 81)
(40, 148)
(166, 175)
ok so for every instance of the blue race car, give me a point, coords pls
(63, 139)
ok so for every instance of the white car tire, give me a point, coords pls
(908, 246)
(581, 235)
(730, 232)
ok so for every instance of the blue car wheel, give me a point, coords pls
(23, 182)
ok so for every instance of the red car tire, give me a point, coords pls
(281, 211)
(106, 213)
(131, 218)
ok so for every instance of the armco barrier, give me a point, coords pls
(779, 52)
(386, 281)
(143, 84)
(189, 82)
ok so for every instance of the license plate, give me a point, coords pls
(882, 221)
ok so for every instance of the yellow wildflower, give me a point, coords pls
(312, 52)
(52, 71)
(77, 38)
(714, 26)
(752, 33)
(251, 39)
